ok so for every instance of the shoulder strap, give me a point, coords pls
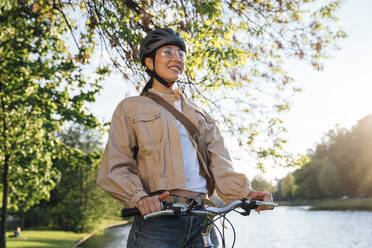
(191, 128)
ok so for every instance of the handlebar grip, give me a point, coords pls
(129, 212)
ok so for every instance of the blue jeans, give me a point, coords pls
(168, 232)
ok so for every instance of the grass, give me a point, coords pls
(52, 238)
(43, 237)
(350, 204)
(113, 221)
(333, 204)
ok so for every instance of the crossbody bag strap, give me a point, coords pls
(191, 128)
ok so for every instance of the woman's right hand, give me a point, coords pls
(150, 204)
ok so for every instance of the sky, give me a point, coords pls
(339, 94)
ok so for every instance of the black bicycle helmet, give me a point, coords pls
(160, 37)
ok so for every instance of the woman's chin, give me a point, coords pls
(173, 79)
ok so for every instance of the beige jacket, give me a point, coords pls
(144, 152)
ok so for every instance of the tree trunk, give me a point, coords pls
(4, 209)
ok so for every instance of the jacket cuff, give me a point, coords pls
(246, 193)
(136, 197)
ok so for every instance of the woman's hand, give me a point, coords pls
(150, 204)
(262, 196)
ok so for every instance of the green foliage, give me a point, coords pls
(76, 203)
(288, 187)
(362, 163)
(42, 85)
(36, 75)
(363, 172)
(261, 184)
(307, 180)
(340, 165)
(329, 180)
(236, 56)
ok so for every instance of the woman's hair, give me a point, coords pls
(150, 82)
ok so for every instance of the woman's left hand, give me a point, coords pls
(262, 196)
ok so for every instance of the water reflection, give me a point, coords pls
(114, 237)
(298, 227)
(284, 227)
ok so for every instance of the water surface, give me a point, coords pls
(290, 227)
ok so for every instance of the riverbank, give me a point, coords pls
(332, 204)
(88, 238)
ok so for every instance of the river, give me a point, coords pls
(290, 227)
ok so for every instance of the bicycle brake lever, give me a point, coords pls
(177, 210)
(248, 207)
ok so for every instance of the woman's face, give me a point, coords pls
(169, 63)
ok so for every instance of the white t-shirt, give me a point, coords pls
(194, 181)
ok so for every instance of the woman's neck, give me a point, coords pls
(161, 88)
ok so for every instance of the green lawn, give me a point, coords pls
(43, 238)
(52, 238)
(350, 204)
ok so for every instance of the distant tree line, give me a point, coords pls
(341, 165)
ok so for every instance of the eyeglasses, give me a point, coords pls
(169, 52)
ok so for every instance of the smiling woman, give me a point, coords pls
(162, 147)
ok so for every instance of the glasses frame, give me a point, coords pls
(180, 53)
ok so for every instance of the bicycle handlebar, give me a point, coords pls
(178, 209)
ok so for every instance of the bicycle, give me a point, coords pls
(210, 213)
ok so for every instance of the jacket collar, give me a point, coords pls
(171, 98)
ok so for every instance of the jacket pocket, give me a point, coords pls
(148, 128)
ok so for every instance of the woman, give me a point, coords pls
(150, 157)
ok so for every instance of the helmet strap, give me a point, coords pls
(148, 85)
(157, 77)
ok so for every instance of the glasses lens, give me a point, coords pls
(170, 52)
(181, 54)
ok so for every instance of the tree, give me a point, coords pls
(339, 147)
(236, 55)
(363, 173)
(76, 203)
(307, 180)
(340, 164)
(363, 159)
(329, 180)
(261, 184)
(41, 87)
(288, 187)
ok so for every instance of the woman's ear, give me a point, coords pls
(149, 63)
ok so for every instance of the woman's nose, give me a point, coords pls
(176, 56)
